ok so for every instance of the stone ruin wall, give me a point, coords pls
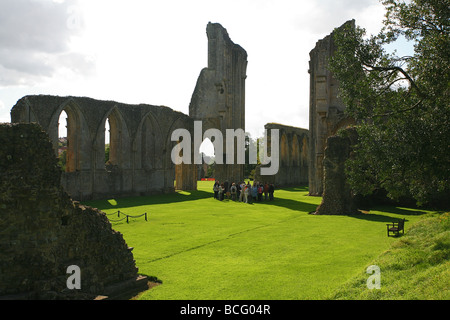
(140, 145)
(326, 112)
(337, 196)
(142, 165)
(219, 95)
(293, 162)
(42, 232)
(140, 157)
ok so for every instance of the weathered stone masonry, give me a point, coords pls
(42, 231)
(293, 160)
(219, 95)
(337, 196)
(140, 145)
(140, 135)
(326, 111)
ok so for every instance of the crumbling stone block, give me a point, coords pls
(337, 196)
(43, 232)
(326, 109)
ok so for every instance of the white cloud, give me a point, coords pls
(152, 51)
(35, 40)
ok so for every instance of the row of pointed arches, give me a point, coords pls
(112, 144)
(109, 148)
(294, 151)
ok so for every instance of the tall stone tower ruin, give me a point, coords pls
(219, 96)
(326, 110)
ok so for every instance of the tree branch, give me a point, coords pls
(398, 111)
(389, 85)
(410, 80)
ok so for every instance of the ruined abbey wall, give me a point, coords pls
(337, 196)
(219, 95)
(140, 135)
(42, 232)
(140, 145)
(293, 156)
(326, 112)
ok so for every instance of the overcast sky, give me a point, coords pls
(153, 51)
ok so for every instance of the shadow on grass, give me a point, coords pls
(133, 294)
(289, 204)
(295, 189)
(399, 213)
(179, 196)
(375, 217)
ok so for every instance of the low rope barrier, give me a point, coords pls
(127, 216)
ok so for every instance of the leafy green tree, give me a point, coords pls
(211, 170)
(62, 160)
(107, 150)
(400, 103)
(249, 168)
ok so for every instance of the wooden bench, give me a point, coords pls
(396, 227)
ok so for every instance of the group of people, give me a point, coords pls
(244, 192)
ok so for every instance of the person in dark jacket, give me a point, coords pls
(216, 189)
(266, 190)
(233, 191)
(260, 192)
(271, 191)
(239, 190)
(226, 189)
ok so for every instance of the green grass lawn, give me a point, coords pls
(202, 248)
(416, 267)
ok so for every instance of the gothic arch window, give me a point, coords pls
(116, 132)
(207, 148)
(69, 138)
(176, 174)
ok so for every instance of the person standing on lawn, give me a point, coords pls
(266, 190)
(271, 191)
(216, 189)
(233, 191)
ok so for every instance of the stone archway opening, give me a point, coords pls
(67, 144)
(112, 140)
(206, 168)
(207, 148)
(117, 155)
(62, 140)
(107, 140)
